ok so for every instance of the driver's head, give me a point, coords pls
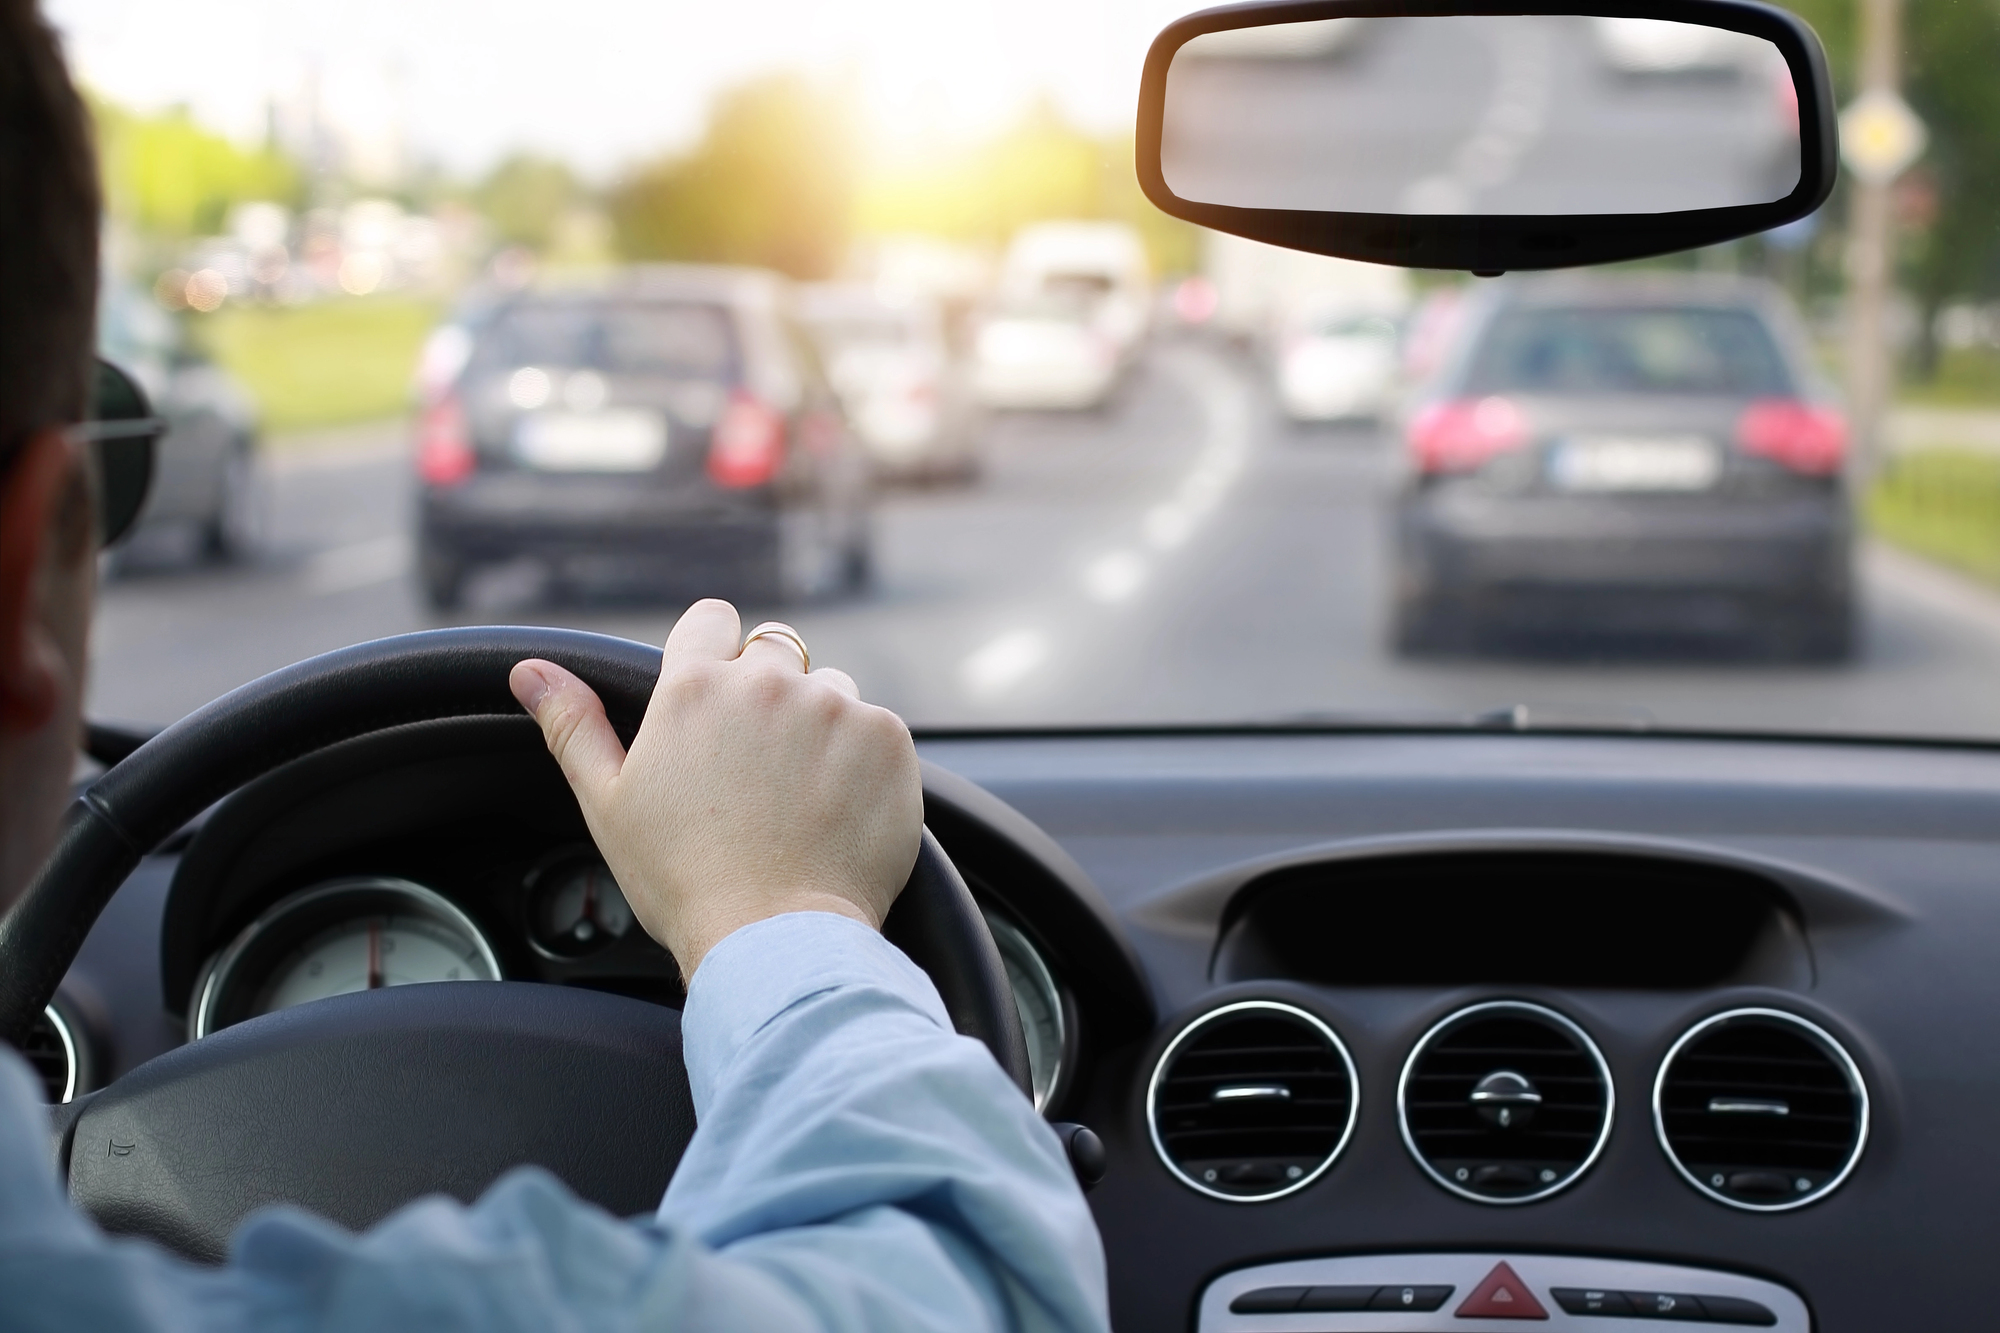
(48, 299)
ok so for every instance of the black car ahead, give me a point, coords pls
(1645, 456)
(666, 428)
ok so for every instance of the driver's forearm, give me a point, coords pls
(854, 1147)
(858, 1167)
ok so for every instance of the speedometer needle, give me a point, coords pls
(374, 955)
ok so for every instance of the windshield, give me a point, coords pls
(469, 313)
(1637, 351)
(628, 339)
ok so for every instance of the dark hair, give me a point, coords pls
(48, 234)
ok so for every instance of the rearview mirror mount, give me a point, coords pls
(1487, 135)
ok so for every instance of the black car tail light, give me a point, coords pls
(1463, 434)
(445, 455)
(748, 446)
(1799, 436)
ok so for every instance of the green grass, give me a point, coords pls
(1966, 377)
(1942, 503)
(321, 365)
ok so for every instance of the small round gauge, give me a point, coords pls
(576, 907)
(1040, 1003)
(336, 938)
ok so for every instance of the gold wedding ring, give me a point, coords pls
(775, 629)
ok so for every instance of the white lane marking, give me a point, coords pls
(1001, 664)
(362, 565)
(1116, 576)
(1227, 407)
(1509, 126)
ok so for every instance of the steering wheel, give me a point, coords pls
(354, 1105)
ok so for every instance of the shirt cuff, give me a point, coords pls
(760, 970)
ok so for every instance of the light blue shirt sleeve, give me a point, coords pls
(858, 1166)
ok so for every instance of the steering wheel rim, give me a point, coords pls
(371, 687)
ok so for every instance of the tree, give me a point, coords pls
(526, 196)
(1952, 69)
(171, 178)
(1950, 54)
(1041, 168)
(771, 183)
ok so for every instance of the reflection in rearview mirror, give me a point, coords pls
(1480, 115)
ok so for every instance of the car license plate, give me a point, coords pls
(1635, 463)
(620, 440)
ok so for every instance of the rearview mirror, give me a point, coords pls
(1487, 134)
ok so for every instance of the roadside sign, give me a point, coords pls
(1880, 137)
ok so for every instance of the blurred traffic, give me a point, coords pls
(963, 403)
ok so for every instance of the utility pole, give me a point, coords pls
(1880, 138)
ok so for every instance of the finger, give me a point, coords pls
(572, 720)
(708, 631)
(839, 680)
(776, 650)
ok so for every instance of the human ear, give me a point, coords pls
(32, 493)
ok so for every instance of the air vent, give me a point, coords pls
(1505, 1102)
(1761, 1110)
(51, 1049)
(1252, 1101)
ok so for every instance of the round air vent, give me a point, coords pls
(1252, 1101)
(51, 1050)
(1505, 1102)
(1761, 1109)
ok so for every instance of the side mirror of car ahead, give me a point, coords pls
(124, 432)
(1487, 134)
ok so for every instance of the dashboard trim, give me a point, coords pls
(1457, 1016)
(1833, 1047)
(1202, 1020)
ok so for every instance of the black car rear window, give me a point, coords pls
(1663, 350)
(686, 340)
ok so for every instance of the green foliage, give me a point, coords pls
(1964, 377)
(1942, 503)
(1951, 52)
(771, 183)
(325, 364)
(169, 177)
(1953, 74)
(526, 196)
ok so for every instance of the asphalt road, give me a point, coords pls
(1181, 557)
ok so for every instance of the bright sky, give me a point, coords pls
(601, 82)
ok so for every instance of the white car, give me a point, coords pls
(1656, 46)
(1046, 354)
(886, 356)
(1336, 366)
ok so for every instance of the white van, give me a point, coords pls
(1068, 318)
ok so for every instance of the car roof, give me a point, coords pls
(746, 287)
(1616, 290)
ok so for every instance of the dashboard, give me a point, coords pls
(1381, 1032)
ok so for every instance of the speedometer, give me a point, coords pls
(336, 938)
(1040, 1003)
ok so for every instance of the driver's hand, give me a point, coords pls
(752, 788)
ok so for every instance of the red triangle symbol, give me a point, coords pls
(1502, 1295)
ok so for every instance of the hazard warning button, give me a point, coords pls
(1501, 1295)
